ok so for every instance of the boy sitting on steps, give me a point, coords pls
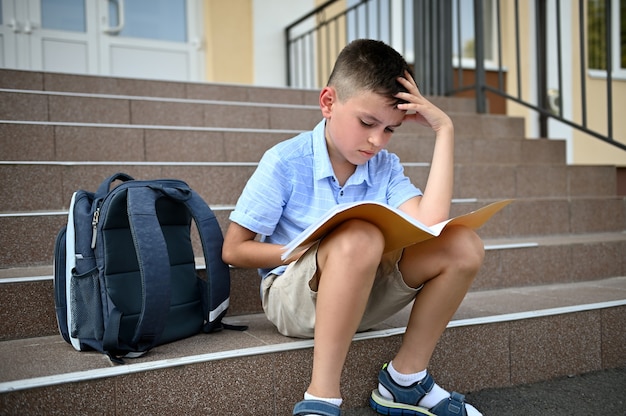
(344, 283)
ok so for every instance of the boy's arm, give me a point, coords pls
(240, 249)
(434, 205)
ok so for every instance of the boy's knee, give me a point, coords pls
(468, 249)
(358, 237)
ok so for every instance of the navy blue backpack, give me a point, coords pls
(125, 278)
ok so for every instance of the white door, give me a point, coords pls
(8, 29)
(157, 39)
(60, 35)
(151, 39)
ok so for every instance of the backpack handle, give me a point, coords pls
(105, 186)
(181, 192)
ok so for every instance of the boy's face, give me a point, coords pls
(359, 127)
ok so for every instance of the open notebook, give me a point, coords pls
(400, 230)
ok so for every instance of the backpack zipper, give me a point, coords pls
(94, 226)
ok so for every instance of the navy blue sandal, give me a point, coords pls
(316, 407)
(405, 399)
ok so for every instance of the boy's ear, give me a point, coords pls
(328, 96)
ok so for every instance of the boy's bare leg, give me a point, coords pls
(446, 266)
(347, 263)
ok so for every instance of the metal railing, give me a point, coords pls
(314, 40)
(429, 35)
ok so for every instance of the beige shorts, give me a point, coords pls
(289, 299)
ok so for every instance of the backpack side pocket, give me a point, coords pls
(86, 306)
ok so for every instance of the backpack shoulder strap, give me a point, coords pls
(218, 273)
(155, 274)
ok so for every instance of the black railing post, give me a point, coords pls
(446, 47)
(583, 63)
(608, 33)
(419, 48)
(288, 55)
(479, 55)
(542, 75)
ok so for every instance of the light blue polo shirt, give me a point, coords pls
(294, 185)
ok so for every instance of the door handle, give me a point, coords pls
(114, 30)
(17, 27)
(14, 25)
(28, 27)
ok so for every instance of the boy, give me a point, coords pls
(345, 283)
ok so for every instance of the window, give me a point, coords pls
(152, 19)
(463, 30)
(596, 36)
(392, 22)
(64, 15)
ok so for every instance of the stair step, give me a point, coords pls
(52, 183)
(28, 141)
(508, 263)
(90, 84)
(551, 259)
(495, 329)
(108, 109)
(42, 141)
(34, 315)
(99, 85)
(22, 105)
(524, 218)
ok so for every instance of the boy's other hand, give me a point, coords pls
(419, 109)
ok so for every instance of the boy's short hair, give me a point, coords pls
(368, 65)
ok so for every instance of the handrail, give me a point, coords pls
(288, 40)
(431, 28)
(310, 14)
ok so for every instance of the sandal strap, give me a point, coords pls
(316, 407)
(410, 394)
(452, 406)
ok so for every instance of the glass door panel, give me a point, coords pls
(64, 15)
(156, 39)
(150, 19)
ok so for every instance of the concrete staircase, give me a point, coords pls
(549, 301)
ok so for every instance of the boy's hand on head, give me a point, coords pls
(419, 109)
